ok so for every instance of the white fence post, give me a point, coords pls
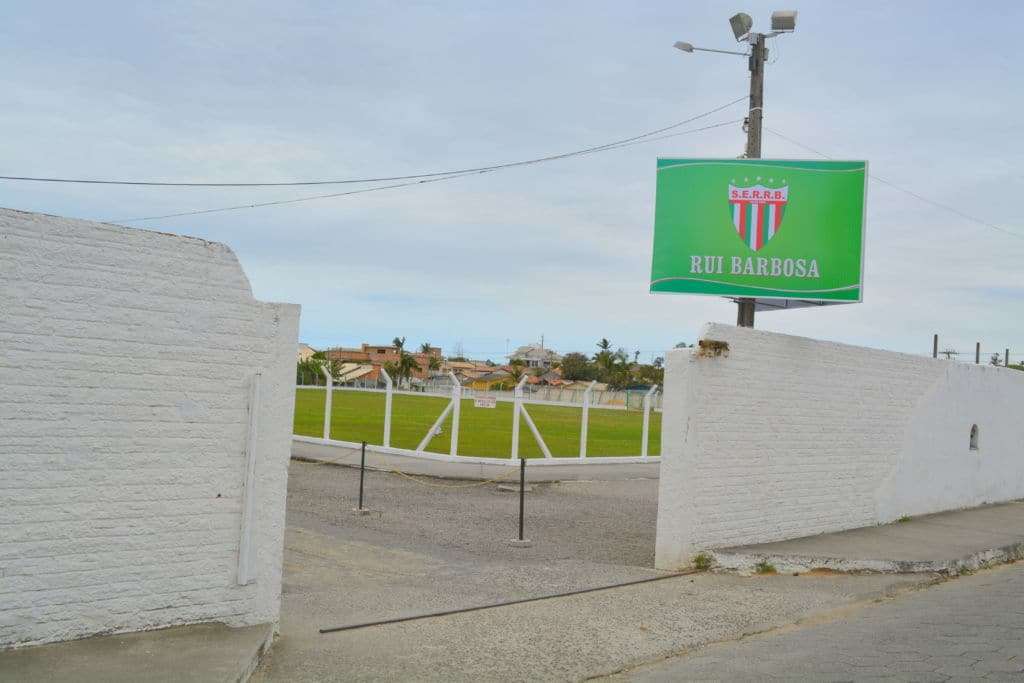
(647, 422)
(327, 401)
(585, 419)
(387, 406)
(457, 402)
(517, 404)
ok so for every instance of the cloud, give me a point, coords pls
(310, 90)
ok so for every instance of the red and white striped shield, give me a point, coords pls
(757, 212)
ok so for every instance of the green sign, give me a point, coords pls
(760, 228)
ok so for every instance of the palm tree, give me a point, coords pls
(406, 364)
(425, 347)
(434, 363)
(399, 343)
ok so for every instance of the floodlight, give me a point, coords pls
(784, 20)
(685, 47)
(741, 24)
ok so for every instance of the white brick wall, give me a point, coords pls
(125, 362)
(787, 437)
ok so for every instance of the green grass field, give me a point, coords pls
(359, 416)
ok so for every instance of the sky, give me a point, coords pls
(930, 93)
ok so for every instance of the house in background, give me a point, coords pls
(467, 370)
(535, 356)
(305, 352)
(496, 378)
(377, 355)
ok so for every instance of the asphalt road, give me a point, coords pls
(971, 628)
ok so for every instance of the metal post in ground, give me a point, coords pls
(935, 346)
(1006, 358)
(521, 542)
(362, 474)
(977, 353)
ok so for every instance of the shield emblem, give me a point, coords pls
(757, 212)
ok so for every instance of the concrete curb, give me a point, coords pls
(309, 449)
(746, 563)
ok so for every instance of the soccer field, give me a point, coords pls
(359, 416)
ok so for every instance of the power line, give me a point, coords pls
(425, 180)
(905, 191)
(383, 179)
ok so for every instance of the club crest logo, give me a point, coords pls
(757, 211)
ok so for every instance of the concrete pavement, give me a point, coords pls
(435, 545)
(183, 654)
(946, 542)
(971, 628)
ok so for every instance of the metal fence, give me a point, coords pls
(457, 420)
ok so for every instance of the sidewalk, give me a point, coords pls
(200, 653)
(946, 542)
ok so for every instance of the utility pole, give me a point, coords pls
(745, 307)
(783, 21)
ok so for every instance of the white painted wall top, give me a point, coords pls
(126, 361)
(785, 436)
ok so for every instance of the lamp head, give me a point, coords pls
(741, 24)
(685, 47)
(784, 20)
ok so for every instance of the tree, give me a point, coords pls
(399, 344)
(996, 360)
(425, 347)
(659, 361)
(650, 374)
(619, 377)
(516, 370)
(636, 356)
(406, 365)
(604, 358)
(683, 345)
(576, 366)
(391, 368)
(308, 372)
(434, 363)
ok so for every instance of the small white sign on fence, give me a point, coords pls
(485, 402)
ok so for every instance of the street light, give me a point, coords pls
(687, 47)
(741, 24)
(783, 21)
